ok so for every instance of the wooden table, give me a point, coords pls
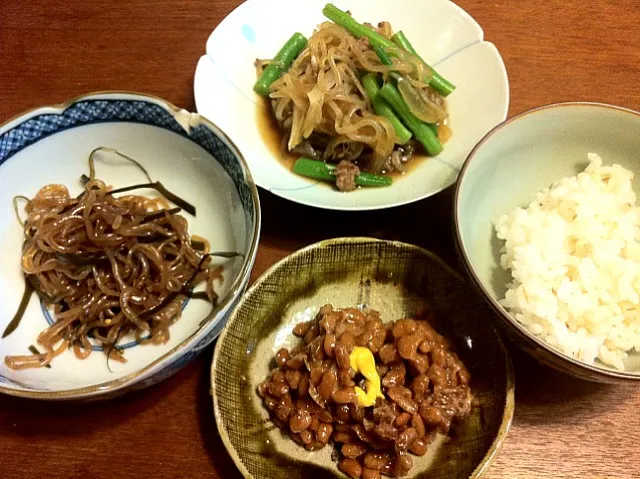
(51, 51)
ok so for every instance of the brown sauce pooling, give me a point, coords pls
(271, 134)
(272, 138)
(311, 393)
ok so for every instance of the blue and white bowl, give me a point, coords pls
(191, 157)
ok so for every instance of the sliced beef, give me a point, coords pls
(346, 173)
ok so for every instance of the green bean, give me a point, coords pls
(403, 42)
(333, 13)
(382, 108)
(280, 63)
(437, 81)
(319, 170)
(384, 58)
(382, 54)
(423, 133)
(358, 30)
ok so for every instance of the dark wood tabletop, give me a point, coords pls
(51, 51)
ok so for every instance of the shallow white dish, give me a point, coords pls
(444, 35)
(191, 157)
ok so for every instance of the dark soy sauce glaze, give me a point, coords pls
(272, 138)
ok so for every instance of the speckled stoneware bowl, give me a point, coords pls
(506, 169)
(191, 157)
(393, 278)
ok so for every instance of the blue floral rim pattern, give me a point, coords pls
(88, 112)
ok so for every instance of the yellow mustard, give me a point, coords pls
(362, 361)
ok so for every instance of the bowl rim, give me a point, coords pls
(235, 291)
(601, 371)
(289, 194)
(509, 406)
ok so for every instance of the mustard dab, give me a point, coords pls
(362, 361)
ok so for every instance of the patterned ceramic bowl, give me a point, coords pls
(394, 278)
(191, 157)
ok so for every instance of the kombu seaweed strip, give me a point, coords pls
(199, 295)
(159, 187)
(185, 290)
(15, 207)
(156, 185)
(24, 302)
(225, 254)
(33, 350)
(112, 347)
(159, 214)
(122, 155)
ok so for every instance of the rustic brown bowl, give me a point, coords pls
(393, 278)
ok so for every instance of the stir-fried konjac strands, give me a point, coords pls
(109, 267)
(326, 96)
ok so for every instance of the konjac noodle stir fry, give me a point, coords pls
(109, 267)
(354, 102)
(379, 392)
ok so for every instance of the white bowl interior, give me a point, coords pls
(446, 37)
(180, 164)
(522, 157)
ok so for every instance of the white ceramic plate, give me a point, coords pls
(444, 35)
(191, 157)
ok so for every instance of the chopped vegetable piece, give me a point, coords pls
(423, 133)
(320, 170)
(415, 101)
(333, 13)
(358, 30)
(411, 97)
(280, 63)
(384, 57)
(437, 82)
(382, 108)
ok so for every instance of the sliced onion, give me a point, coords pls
(425, 111)
(296, 128)
(436, 102)
(396, 161)
(314, 113)
(444, 133)
(306, 149)
(351, 149)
